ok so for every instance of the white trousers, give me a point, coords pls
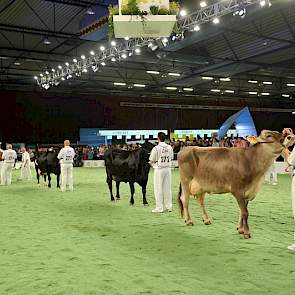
(293, 200)
(162, 188)
(66, 176)
(25, 173)
(6, 173)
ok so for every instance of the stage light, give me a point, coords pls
(267, 83)
(203, 4)
(291, 85)
(215, 90)
(41, 75)
(286, 95)
(137, 50)
(92, 52)
(113, 59)
(62, 78)
(53, 70)
(60, 67)
(182, 12)
(83, 57)
(113, 43)
(197, 28)
(253, 92)
(126, 38)
(75, 60)
(69, 76)
(35, 77)
(102, 48)
(229, 91)
(124, 55)
(188, 89)
(216, 20)
(207, 78)
(171, 88)
(265, 93)
(17, 63)
(90, 11)
(262, 3)
(67, 64)
(103, 64)
(252, 81)
(47, 41)
(46, 72)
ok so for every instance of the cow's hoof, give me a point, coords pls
(240, 231)
(207, 221)
(118, 198)
(131, 204)
(189, 222)
(146, 204)
(247, 236)
(112, 200)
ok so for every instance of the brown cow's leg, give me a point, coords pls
(185, 201)
(200, 199)
(243, 227)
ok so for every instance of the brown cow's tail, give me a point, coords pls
(179, 200)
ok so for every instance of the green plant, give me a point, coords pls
(163, 11)
(174, 8)
(154, 10)
(133, 7)
(113, 10)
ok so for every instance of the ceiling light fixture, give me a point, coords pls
(174, 74)
(182, 12)
(286, 95)
(216, 20)
(124, 55)
(203, 4)
(253, 92)
(67, 64)
(103, 64)
(229, 91)
(119, 84)
(197, 28)
(75, 60)
(92, 52)
(252, 81)
(267, 83)
(139, 85)
(215, 90)
(225, 79)
(188, 89)
(83, 57)
(171, 88)
(265, 93)
(207, 78)
(102, 48)
(153, 72)
(291, 85)
(47, 41)
(113, 43)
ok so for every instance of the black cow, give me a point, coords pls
(127, 166)
(47, 163)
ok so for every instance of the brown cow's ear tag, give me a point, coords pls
(252, 139)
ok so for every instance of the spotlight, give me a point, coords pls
(102, 48)
(94, 68)
(53, 70)
(130, 53)
(47, 41)
(17, 63)
(152, 46)
(216, 21)
(137, 50)
(69, 76)
(83, 57)
(60, 67)
(126, 38)
(75, 60)
(113, 59)
(84, 70)
(78, 74)
(62, 78)
(182, 12)
(67, 64)
(262, 3)
(46, 86)
(124, 55)
(90, 11)
(103, 64)
(165, 42)
(35, 77)
(197, 28)
(113, 43)
(92, 52)
(203, 4)
(46, 72)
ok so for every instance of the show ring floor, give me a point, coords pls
(81, 243)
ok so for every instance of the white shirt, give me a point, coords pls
(162, 155)
(26, 158)
(66, 155)
(291, 158)
(9, 156)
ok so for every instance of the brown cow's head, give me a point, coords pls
(275, 141)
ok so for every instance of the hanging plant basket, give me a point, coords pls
(135, 26)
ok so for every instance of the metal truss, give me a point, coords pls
(188, 23)
(118, 52)
(218, 9)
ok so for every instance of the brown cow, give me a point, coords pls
(239, 171)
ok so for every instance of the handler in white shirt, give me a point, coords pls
(9, 156)
(161, 159)
(25, 172)
(1, 162)
(66, 157)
